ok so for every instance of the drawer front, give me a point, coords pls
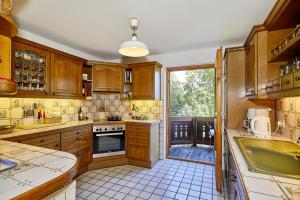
(137, 128)
(54, 146)
(75, 133)
(137, 141)
(76, 143)
(137, 134)
(138, 152)
(297, 79)
(287, 82)
(42, 140)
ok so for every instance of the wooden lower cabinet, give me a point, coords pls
(77, 140)
(79, 143)
(234, 181)
(142, 144)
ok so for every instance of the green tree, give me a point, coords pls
(196, 96)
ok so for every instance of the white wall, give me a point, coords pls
(41, 40)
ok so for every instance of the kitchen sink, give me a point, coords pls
(273, 157)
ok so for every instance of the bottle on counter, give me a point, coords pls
(80, 114)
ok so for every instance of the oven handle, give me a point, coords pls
(109, 134)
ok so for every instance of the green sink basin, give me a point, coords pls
(273, 157)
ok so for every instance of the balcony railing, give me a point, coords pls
(191, 130)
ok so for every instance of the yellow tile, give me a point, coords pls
(15, 102)
(4, 113)
(28, 121)
(64, 102)
(4, 122)
(49, 103)
(16, 112)
(77, 102)
(4, 103)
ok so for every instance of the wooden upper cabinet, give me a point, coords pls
(30, 69)
(146, 79)
(107, 77)
(256, 62)
(66, 76)
(251, 67)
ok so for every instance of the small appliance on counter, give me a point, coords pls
(258, 121)
(114, 118)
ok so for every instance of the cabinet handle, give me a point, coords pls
(286, 82)
(42, 141)
(269, 87)
(53, 93)
(56, 145)
(77, 133)
(77, 138)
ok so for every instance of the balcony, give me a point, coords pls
(192, 138)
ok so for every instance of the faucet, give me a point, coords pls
(298, 141)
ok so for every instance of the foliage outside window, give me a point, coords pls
(192, 93)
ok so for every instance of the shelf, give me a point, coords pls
(291, 51)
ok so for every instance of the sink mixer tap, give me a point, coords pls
(298, 141)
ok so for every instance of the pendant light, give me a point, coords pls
(134, 48)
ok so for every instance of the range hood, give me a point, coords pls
(8, 30)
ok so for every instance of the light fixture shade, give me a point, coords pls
(134, 48)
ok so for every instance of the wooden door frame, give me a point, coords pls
(168, 72)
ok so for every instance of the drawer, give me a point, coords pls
(43, 140)
(297, 79)
(75, 133)
(76, 143)
(287, 82)
(137, 128)
(135, 140)
(140, 134)
(54, 146)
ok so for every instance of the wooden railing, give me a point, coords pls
(191, 130)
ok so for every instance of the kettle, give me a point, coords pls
(261, 125)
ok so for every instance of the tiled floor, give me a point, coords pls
(168, 179)
(200, 153)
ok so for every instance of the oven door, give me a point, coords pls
(108, 144)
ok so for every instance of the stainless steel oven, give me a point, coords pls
(108, 140)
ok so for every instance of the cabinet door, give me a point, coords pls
(107, 78)
(251, 68)
(143, 82)
(66, 76)
(30, 69)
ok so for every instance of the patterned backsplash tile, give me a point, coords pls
(288, 111)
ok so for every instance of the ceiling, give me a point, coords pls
(99, 27)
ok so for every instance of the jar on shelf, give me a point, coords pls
(296, 63)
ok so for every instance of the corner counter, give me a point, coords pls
(39, 171)
(258, 186)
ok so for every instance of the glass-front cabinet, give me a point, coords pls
(31, 69)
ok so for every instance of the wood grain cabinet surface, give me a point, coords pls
(77, 141)
(107, 77)
(142, 144)
(146, 80)
(66, 76)
(234, 182)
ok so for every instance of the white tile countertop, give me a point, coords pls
(35, 167)
(260, 186)
(19, 132)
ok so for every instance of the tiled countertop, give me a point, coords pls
(35, 167)
(20, 132)
(260, 186)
